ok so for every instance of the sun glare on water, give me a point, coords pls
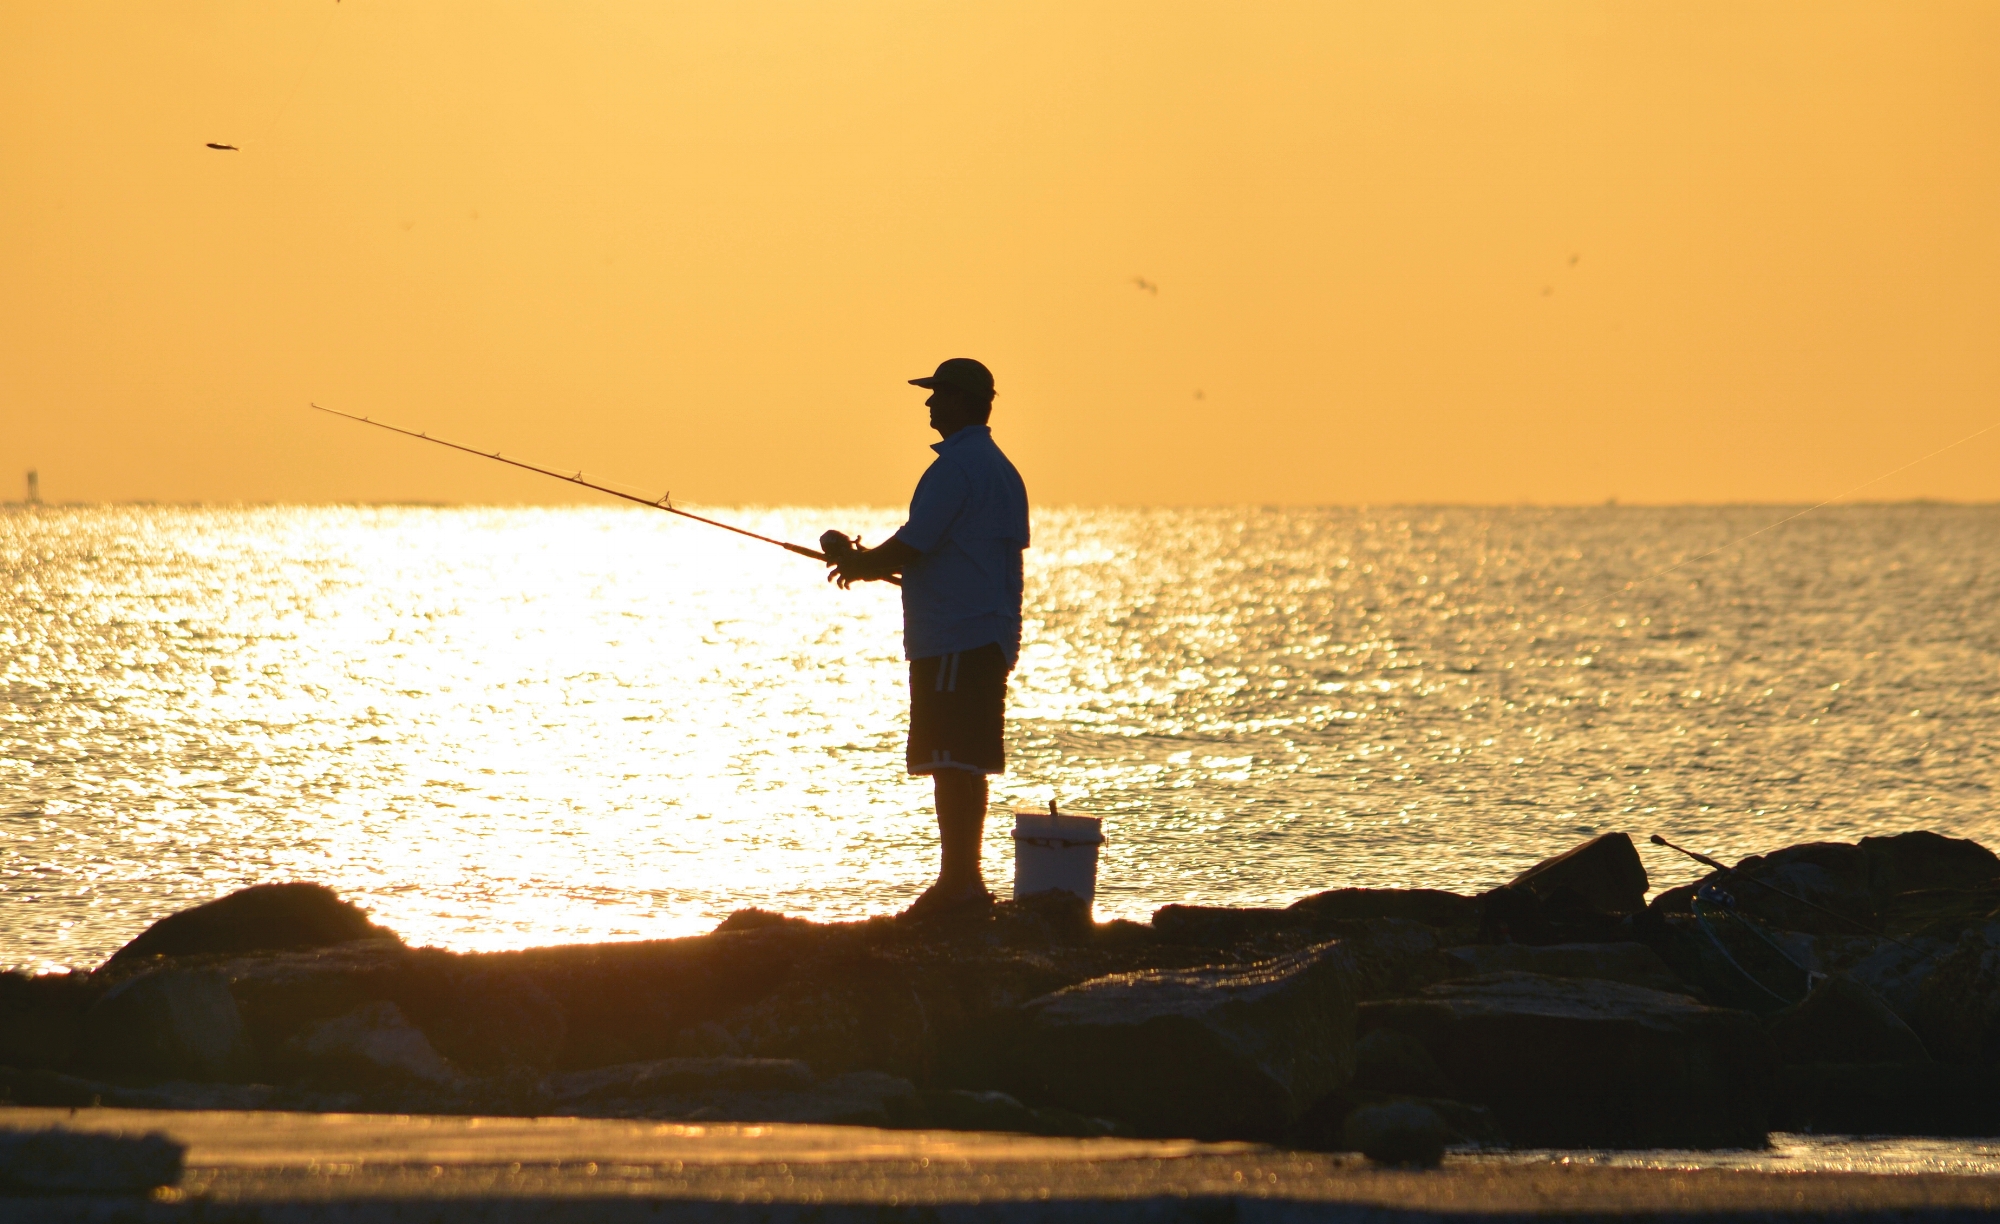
(504, 728)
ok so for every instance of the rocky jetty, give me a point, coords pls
(1851, 988)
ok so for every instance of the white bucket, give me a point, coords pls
(1056, 850)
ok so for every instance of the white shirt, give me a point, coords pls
(969, 519)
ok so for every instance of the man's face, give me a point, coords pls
(949, 411)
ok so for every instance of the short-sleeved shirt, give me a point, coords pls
(969, 519)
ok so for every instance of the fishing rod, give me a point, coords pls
(577, 479)
(1732, 873)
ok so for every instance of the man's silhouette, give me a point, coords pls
(960, 558)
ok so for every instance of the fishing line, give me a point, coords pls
(1665, 570)
(313, 61)
(662, 502)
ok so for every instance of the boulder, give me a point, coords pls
(1958, 1004)
(963, 1109)
(1908, 882)
(262, 918)
(737, 1090)
(753, 919)
(684, 1076)
(1941, 912)
(1220, 926)
(374, 1039)
(54, 1089)
(1398, 1132)
(852, 1098)
(168, 1024)
(1926, 1098)
(1635, 964)
(843, 1015)
(1052, 916)
(39, 1017)
(1603, 873)
(1323, 1126)
(1224, 1052)
(57, 1161)
(1817, 887)
(1575, 1062)
(1842, 1021)
(1426, 905)
(492, 1018)
(1397, 1063)
(1923, 861)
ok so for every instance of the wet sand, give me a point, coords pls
(299, 1167)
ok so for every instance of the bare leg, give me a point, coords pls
(961, 816)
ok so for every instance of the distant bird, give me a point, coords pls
(1548, 290)
(1146, 285)
(1198, 394)
(231, 148)
(1573, 259)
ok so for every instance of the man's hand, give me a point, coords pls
(848, 563)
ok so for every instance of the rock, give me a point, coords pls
(1896, 970)
(1942, 912)
(1604, 873)
(1958, 1004)
(1926, 861)
(1053, 915)
(737, 1090)
(1818, 887)
(49, 1089)
(852, 1098)
(1573, 1062)
(1225, 1052)
(1219, 926)
(59, 1161)
(1400, 1132)
(1678, 900)
(39, 1017)
(1513, 914)
(493, 1018)
(1397, 1063)
(753, 919)
(1889, 1099)
(1323, 1126)
(705, 1040)
(845, 1015)
(961, 1109)
(262, 918)
(687, 1076)
(1426, 905)
(1843, 1021)
(1908, 882)
(1635, 964)
(169, 1023)
(374, 1039)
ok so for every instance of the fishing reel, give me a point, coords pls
(838, 547)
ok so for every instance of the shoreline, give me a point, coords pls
(256, 1167)
(1563, 1011)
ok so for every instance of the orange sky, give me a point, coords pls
(1464, 252)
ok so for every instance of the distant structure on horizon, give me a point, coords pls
(34, 487)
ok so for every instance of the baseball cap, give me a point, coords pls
(961, 374)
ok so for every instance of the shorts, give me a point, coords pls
(958, 711)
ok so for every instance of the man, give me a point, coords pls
(960, 560)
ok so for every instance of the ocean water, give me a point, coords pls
(500, 728)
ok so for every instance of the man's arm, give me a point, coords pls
(852, 565)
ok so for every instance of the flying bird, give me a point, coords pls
(231, 148)
(1146, 285)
